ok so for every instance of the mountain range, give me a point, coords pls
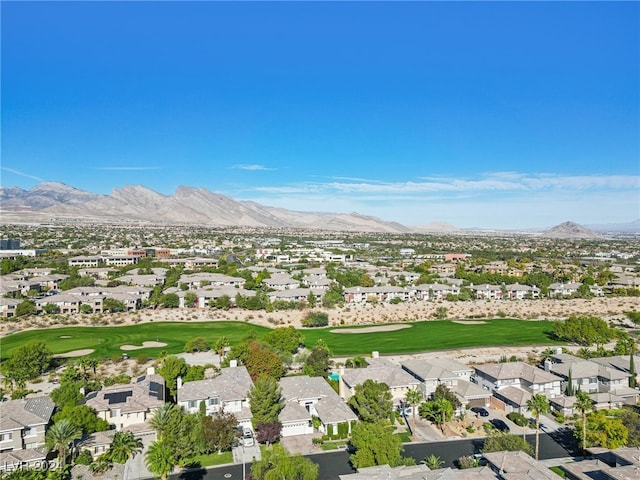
(189, 205)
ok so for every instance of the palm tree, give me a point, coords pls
(159, 459)
(162, 417)
(433, 462)
(60, 435)
(413, 398)
(583, 404)
(123, 447)
(538, 405)
(100, 465)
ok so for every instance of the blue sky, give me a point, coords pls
(491, 114)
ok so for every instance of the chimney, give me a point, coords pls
(558, 350)
(233, 363)
(547, 365)
(151, 370)
(179, 382)
(375, 354)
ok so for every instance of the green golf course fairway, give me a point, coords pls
(419, 337)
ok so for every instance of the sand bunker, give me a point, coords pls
(469, 322)
(144, 345)
(380, 328)
(66, 336)
(76, 353)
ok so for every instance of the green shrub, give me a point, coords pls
(343, 429)
(517, 418)
(315, 319)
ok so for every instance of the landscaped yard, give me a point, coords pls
(419, 337)
(214, 459)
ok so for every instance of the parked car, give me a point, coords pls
(499, 424)
(247, 438)
(482, 412)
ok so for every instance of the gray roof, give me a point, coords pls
(16, 457)
(232, 384)
(435, 368)
(293, 412)
(330, 407)
(468, 390)
(521, 370)
(519, 465)
(145, 393)
(381, 371)
(16, 414)
(515, 395)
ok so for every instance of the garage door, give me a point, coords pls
(296, 428)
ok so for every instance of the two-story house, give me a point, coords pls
(514, 383)
(454, 375)
(127, 405)
(228, 391)
(23, 423)
(306, 397)
(380, 370)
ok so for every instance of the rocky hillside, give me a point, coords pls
(570, 230)
(186, 205)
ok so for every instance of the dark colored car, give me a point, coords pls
(480, 411)
(499, 424)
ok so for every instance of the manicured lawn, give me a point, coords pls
(437, 335)
(106, 341)
(214, 459)
(419, 337)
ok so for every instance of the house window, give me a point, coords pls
(193, 404)
(4, 437)
(214, 401)
(115, 412)
(28, 431)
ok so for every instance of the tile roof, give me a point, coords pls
(232, 384)
(15, 414)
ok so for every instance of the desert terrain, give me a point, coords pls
(611, 308)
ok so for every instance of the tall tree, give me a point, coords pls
(375, 444)
(83, 417)
(569, 392)
(262, 361)
(173, 367)
(277, 464)
(583, 404)
(413, 398)
(159, 459)
(633, 381)
(438, 411)
(27, 362)
(605, 431)
(372, 401)
(59, 436)
(162, 418)
(538, 405)
(123, 447)
(220, 430)
(317, 363)
(266, 400)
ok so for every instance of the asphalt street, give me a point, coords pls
(333, 464)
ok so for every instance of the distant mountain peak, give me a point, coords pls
(570, 230)
(187, 205)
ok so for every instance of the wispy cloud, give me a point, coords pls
(494, 182)
(128, 168)
(22, 174)
(253, 167)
